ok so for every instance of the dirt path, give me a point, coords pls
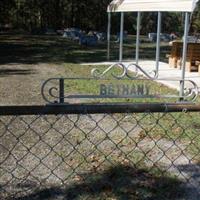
(20, 84)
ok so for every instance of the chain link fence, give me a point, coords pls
(131, 155)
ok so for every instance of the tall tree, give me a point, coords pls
(85, 14)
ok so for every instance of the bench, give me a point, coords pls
(193, 56)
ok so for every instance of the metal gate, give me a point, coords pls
(100, 151)
(92, 150)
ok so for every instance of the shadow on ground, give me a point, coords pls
(119, 182)
(8, 72)
(29, 49)
(193, 175)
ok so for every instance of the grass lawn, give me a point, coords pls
(92, 86)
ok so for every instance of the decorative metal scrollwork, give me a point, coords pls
(125, 72)
(55, 90)
(96, 73)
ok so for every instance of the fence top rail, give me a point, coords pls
(98, 108)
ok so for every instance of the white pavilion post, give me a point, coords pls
(138, 38)
(158, 43)
(121, 37)
(108, 35)
(184, 56)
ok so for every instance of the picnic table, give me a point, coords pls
(193, 56)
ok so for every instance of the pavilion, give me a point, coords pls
(121, 6)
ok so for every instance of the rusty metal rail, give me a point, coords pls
(98, 108)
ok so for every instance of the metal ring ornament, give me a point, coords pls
(50, 91)
(192, 92)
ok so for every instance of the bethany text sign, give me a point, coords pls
(124, 90)
(118, 85)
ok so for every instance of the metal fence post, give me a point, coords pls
(184, 56)
(61, 91)
(138, 38)
(108, 36)
(158, 44)
(121, 37)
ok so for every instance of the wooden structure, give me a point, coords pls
(192, 58)
(176, 53)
